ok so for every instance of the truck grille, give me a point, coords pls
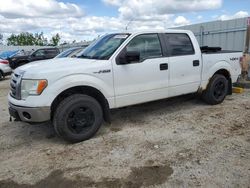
(15, 86)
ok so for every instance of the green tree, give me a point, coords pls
(55, 39)
(26, 38)
(40, 40)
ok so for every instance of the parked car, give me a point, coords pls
(4, 68)
(71, 52)
(4, 63)
(119, 70)
(24, 57)
(7, 54)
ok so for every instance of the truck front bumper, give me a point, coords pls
(29, 114)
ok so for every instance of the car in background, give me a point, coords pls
(4, 68)
(7, 54)
(24, 57)
(4, 63)
(71, 52)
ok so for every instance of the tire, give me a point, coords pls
(77, 118)
(217, 90)
(12, 65)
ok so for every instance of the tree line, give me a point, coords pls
(26, 38)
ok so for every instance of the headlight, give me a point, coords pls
(32, 87)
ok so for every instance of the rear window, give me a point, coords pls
(179, 44)
(52, 51)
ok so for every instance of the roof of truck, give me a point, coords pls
(159, 31)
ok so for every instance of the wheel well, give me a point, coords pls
(93, 92)
(226, 73)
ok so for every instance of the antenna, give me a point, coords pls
(126, 28)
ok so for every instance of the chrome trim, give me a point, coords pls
(15, 85)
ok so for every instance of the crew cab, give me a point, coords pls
(24, 57)
(119, 70)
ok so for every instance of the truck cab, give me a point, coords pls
(118, 70)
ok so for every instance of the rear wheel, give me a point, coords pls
(217, 90)
(78, 118)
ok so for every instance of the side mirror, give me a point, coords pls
(132, 56)
(129, 57)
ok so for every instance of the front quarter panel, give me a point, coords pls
(104, 85)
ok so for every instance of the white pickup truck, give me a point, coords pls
(118, 70)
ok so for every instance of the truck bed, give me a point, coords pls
(211, 60)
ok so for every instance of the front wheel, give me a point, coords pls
(217, 90)
(78, 118)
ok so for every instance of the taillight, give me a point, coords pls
(4, 62)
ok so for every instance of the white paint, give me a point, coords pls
(131, 83)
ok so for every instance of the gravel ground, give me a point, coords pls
(179, 142)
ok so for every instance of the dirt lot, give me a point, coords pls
(180, 142)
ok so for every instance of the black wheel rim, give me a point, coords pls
(219, 90)
(80, 120)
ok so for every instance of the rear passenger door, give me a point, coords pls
(184, 64)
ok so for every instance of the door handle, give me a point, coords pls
(164, 66)
(196, 63)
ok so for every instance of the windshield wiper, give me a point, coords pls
(85, 56)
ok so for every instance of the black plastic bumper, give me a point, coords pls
(13, 113)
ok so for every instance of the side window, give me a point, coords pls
(148, 46)
(51, 52)
(39, 53)
(179, 44)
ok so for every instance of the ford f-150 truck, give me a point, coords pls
(119, 70)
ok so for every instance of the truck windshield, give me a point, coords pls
(104, 47)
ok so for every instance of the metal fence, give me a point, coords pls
(229, 34)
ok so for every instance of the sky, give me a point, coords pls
(87, 19)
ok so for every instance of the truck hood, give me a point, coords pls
(64, 66)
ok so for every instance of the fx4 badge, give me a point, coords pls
(102, 71)
(234, 58)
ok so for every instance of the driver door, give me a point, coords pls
(143, 80)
